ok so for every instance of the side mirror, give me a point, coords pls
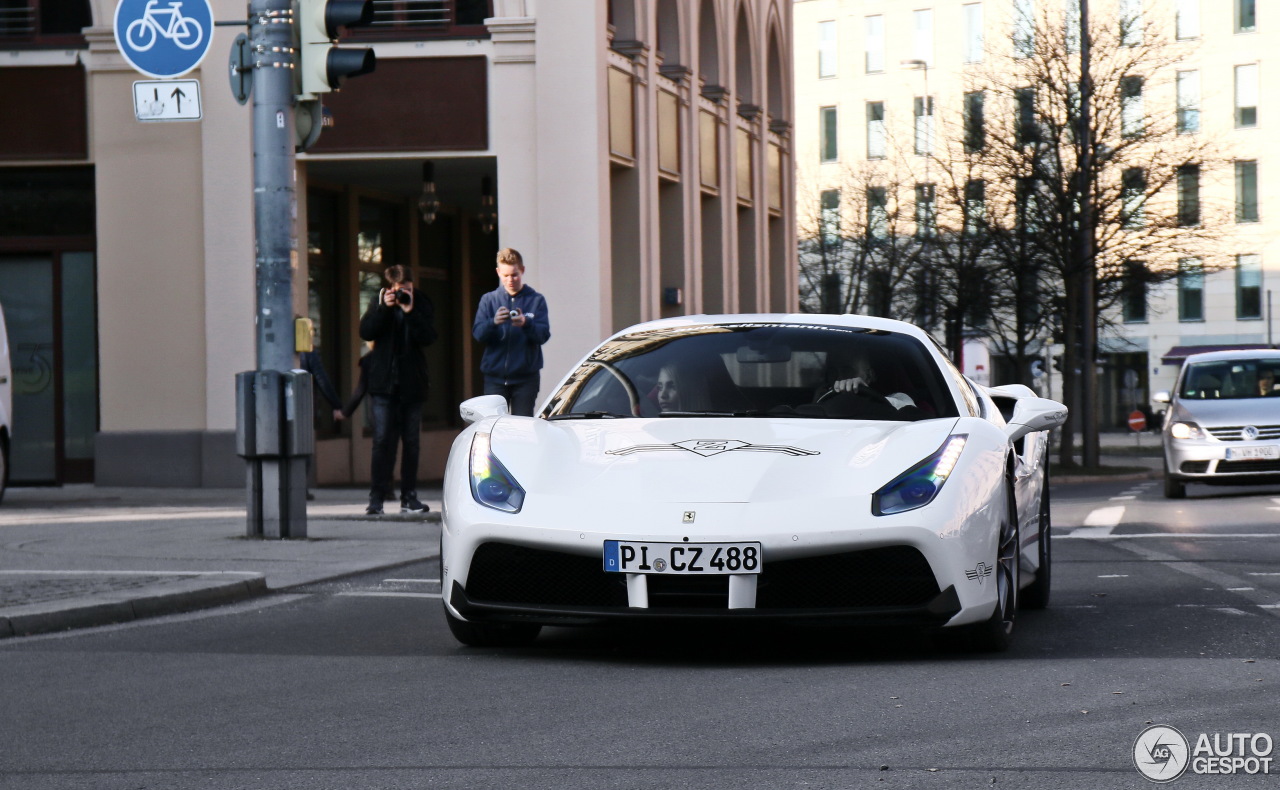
(1034, 414)
(478, 408)
(1162, 397)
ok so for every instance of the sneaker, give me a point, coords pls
(410, 504)
(374, 509)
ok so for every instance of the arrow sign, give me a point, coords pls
(166, 100)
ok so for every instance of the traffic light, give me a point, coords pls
(322, 65)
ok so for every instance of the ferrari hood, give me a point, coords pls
(710, 459)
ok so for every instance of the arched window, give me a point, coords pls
(743, 86)
(622, 18)
(669, 41)
(778, 102)
(708, 44)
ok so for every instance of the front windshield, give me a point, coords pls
(1231, 379)
(751, 370)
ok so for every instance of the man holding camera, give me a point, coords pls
(400, 326)
(512, 323)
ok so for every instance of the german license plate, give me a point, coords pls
(1264, 453)
(625, 556)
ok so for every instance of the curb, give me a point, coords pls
(1129, 477)
(199, 591)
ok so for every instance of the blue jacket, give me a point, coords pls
(511, 353)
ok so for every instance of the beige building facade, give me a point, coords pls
(637, 152)
(862, 67)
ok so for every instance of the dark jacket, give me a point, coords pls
(398, 365)
(512, 353)
(310, 361)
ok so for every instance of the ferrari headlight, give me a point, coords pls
(1186, 430)
(917, 486)
(491, 484)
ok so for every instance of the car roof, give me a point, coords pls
(822, 319)
(1223, 356)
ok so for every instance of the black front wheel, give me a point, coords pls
(1173, 487)
(996, 633)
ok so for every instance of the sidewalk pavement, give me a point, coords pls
(82, 555)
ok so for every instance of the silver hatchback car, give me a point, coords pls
(1223, 421)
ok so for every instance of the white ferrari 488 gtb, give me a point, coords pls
(798, 468)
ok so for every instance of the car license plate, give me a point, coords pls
(624, 556)
(1264, 453)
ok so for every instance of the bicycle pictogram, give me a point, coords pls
(183, 31)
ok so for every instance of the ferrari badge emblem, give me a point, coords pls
(689, 516)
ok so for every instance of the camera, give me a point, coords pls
(515, 311)
(404, 297)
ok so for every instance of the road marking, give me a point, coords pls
(1114, 576)
(1123, 498)
(1100, 522)
(376, 594)
(1230, 610)
(411, 581)
(1262, 573)
(1222, 580)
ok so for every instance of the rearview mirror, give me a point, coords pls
(757, 354)
(1034, 414)
(482, 406)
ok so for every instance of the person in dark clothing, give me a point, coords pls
(400, 326)
(311, 362)
(513, 324)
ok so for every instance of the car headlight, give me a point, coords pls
(491, 484)
(1186, 430)
(917, 486)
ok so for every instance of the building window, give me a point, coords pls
(924, 125)
(1131, 118)
(877, 213)
(1190, 290)
(1024, 28)
(922, 41)
(829, 213)
(1188, 195)
(1133, 194)
(829, 131)
(926, 212)
(1130, 22)
(1188, 102)
(1028, 208)
(1246, 96)
(876, 135)
(1027, 132)
(1248, 287)
(972, 32)
(827, 49)
(45, 22)
(975, 122)
(1188, 19)
(875, 44)
(1134, 292)
(975, 207)
(1247, 191)
(1246, 16)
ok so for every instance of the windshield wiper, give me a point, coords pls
(587, 415)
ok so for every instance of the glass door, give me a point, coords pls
(27, 294)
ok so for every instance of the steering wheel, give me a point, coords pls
(860, 389)
(633, 396)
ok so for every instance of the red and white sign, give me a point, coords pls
(1137, 421)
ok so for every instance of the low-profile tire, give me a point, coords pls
(1036, 594)
(996, 633)
(1173, 487)
(491, 634)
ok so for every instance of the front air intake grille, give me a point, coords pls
(1194, 467)
(890, 576)
(1232, 467)
(502, 573)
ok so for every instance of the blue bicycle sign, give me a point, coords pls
(164, 38)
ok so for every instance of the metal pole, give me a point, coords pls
(1088, 290)
(279, 503)
(1269, 341)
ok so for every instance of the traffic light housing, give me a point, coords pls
(321, 65)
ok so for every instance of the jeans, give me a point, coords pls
(394, 423)
(520, 395)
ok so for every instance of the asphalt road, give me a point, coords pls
(1163, 612)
